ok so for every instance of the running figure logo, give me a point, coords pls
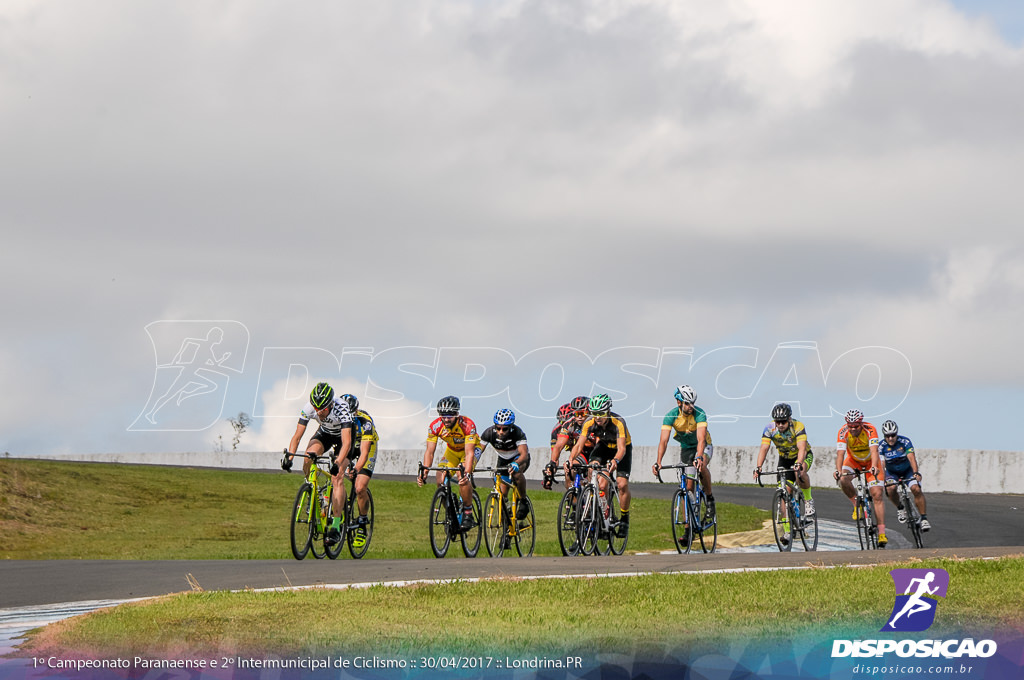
(194, 362)
(915, 608)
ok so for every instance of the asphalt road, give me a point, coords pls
(964, 525)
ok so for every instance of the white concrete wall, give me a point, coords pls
(956, 470)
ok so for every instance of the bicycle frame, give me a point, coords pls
(867, 528)
(568, 509)
(788, 513)
(312, 511)
(446, 515)
(501, 528)
(689, 512)
(906, 497)
(597, 514)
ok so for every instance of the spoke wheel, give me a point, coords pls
(351, 516)
(495, 525)
(781, 524)
(913, 516)
(440, 523)
(586, 526)
(616, 544)
(471, 538)
(321, 512)
(302, 522)
(568, 541)
(708, 525)
(679, 529)
(808, 527)
(525, 534)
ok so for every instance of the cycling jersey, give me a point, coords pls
(786, 442)
(857, 446)
(337, 419)
(365, 431)
(897, 453)
(685, 426)
(572, 429)
(458, 437)
(606, 435)
(506, 443)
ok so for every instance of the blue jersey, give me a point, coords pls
(895, 455)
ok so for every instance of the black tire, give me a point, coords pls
(302, 522)
(471, 538)
(321, 512)
(913, 516)
(351, 516)
(782, 527)
(616, 544)
(680, 538)
(691, 520)
(587, 524)
(708, 525)
(808, 526)
(440, 523)
(525, 536)
(334, 549)
(862, 527)
(495, 525)
(568, 540)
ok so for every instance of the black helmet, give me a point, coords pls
(321, 396)
(448, 406)
(352, 401)
(782, 412)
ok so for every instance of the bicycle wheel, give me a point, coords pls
(440, 523)
(808, 526)
(321, 513)
(616, 543)
(471, 537)
(781, 526)
(680, 535)
(525, 535)
(707, 524)
(567, 538)
(352, 516)
(870, 527)
(334, 549)
(495, 525)
(862, 526)
(913, 516)
(586, 524)
(302, 522)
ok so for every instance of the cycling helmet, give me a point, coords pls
(448, 406)
(321, 396)
(686, 394)
(890, 427)
(782, 412)
(353, 403)
(579, 404)
(504, 417)
(854, 416)
(602, 403)
(564, 412)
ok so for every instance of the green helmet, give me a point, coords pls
(321, 396)
(601, 403)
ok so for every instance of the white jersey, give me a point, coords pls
(336, 419)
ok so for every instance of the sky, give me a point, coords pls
(207, 207)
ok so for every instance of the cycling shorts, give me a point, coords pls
(452, 459)
(788, 463)
(622, 469)
(904, 471)
(851, 464)
(328, 441)
(371, 458)
(686, 456)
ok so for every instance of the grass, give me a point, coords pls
(68, 510)
(645, 614)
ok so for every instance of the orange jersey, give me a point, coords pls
(461, 434)
(857, 446)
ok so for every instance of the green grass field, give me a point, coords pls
(63, 510)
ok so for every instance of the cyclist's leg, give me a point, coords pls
(362, 481)
(315, 447)
(876, 485)
(622, 470)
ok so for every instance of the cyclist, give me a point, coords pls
(690, 424)
(613, 447)
(566, 437)
(790, 439)
(509, 442)
(461, 443)
(337, 431)
(901, 463)
(857, 449)
(365, 460)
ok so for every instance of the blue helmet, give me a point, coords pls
(504, 417)
(352, 401)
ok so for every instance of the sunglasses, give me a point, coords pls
(781, 422)
(502, 428)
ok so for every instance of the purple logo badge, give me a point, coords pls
(917, 591)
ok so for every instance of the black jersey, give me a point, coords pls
(506, 442)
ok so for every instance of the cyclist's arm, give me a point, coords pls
(763, 451)
(524, 454)
(576, 450)
(620, 449)
(428, 455)
(666, 432)
(801, 450)
(364, 453)
(702, 441)
(840, 455)
(300, 430)
(876, 460)
(912, 458)
(556, 448)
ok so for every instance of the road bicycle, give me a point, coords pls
(502, 531)
(350, 524)
(691, 517)
(312, 511)
(906, 497)
(867, 527)
(568, 507)
(446, 516)
(598, 516)
(789, 513)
